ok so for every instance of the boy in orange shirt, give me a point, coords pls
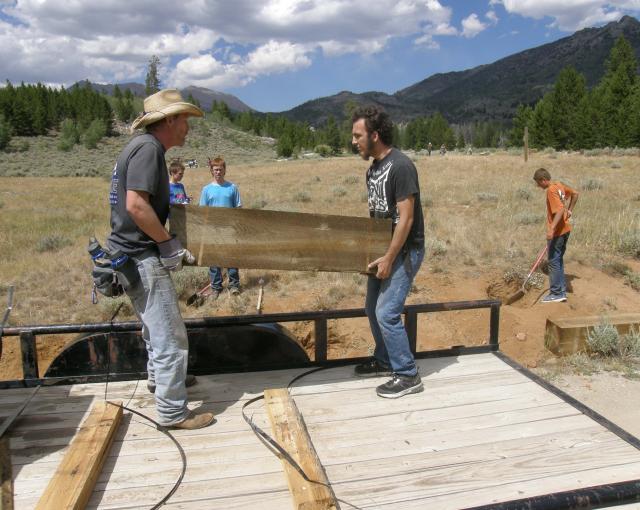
(558, 229)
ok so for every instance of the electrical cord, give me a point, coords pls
(160, 428)
(278, 450)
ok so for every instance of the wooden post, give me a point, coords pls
(29, 355)
(6, 479)
(76, 476)
(526, 143)
(291, 433)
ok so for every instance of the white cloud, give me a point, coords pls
(492, 17)
(472, 26)
(64, 41)
(571, 15)
(270, 58)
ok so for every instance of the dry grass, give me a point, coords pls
(463, 230)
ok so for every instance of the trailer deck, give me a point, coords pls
(484, 432)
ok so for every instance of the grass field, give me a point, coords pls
(483, 214)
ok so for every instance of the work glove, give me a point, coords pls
(172, 254)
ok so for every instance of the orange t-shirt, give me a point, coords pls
(558, 196)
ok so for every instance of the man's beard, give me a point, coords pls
(366, 154)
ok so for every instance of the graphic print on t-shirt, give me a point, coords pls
(113, 194)
(377, 190)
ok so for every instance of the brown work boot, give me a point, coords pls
(195, 421)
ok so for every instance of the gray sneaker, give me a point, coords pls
(400, 385)
(554, 298)
(372, 368)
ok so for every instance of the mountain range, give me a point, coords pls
(204, 96)
(486, 92)
(489, 91)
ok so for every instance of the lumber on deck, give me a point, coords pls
(76, 476)
(6, 479)
(481, 433)
(291, 433)
(568, 335)
(257, 239)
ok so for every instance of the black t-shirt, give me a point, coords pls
(141, 166)
(392, 179)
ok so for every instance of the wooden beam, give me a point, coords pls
(291, 433)
(568, 335)
(258, 239)
(76, 476)
(6, 478)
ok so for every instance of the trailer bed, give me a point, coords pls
(482, 433)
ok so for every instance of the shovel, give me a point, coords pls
(197, 298)
(514, 297)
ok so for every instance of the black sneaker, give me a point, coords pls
(372, 368)
(400, 385)
(188, 382)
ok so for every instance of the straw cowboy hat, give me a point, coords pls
(163, 104)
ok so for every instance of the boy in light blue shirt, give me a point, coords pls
(221, 193)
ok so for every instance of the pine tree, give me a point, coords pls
(5, 133)
(615, 90)
(332, 135)
(152, 81)
(524, 115)
(541, 130)
(567, 94)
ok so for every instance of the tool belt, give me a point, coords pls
(113, 272)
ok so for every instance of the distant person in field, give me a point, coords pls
(139, 199)
(177, 193)
(221, 193)
(429, 148)
(443, 149)
(558, 228)
(393, 192)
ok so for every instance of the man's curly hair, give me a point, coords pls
(375, 119)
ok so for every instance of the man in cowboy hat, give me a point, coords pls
(139, 199)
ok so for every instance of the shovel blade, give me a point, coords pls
(514, 297)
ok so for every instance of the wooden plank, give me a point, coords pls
(291, 433)
(6, 478)
(257, 239)
(73, 481)
(568, 335)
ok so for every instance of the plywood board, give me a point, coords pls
(258, 239)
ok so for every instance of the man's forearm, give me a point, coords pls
(399, 237)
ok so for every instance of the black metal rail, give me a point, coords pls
(28, 334)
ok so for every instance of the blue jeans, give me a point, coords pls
(555, 253)
(215, 274)
(384, 304)
(155, 301)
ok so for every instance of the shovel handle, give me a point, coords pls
(536, 263)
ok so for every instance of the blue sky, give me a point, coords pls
(276, 54)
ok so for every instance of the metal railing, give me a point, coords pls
(28, 334)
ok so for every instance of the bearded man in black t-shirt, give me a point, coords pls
(393, 192)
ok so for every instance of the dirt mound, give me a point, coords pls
(502, 290)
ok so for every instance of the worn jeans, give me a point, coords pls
(155, 301)
(384, 305)
(555, 253)
(215, 274)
